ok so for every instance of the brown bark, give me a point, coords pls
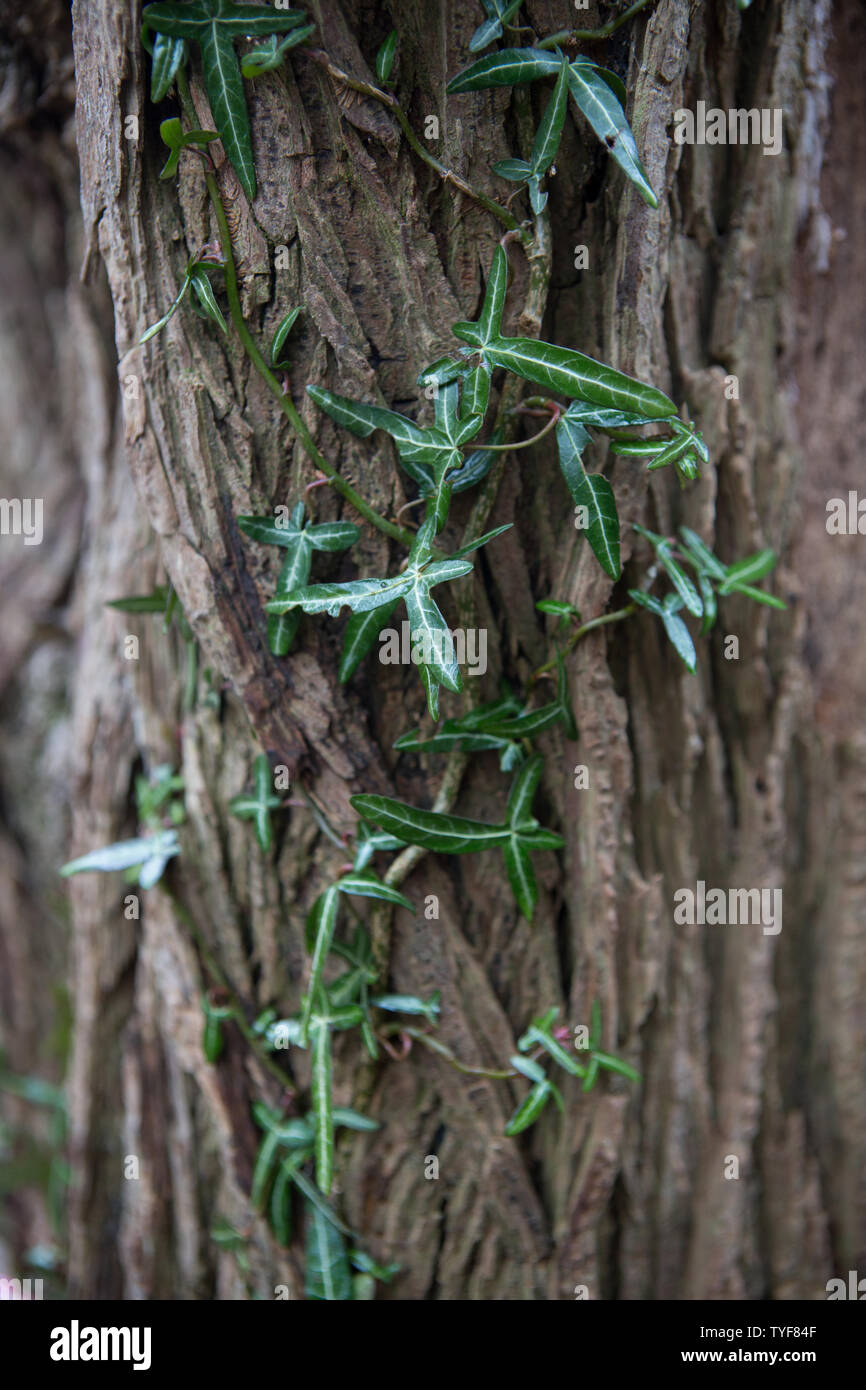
(751, 773)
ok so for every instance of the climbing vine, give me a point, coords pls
(466, 445)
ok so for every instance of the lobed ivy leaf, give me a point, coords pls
(215, 27)
(270, 56)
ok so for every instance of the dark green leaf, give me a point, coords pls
(600, 106)
(549, 131)
(204, 292)
(558, 607)
(523, 789)
(385, 57)
(482, 540)
(362, 630)
(514, 170)
(327, 1267)
(284, 328)
(283, 628)
(529, 1110)
(446, 834)
(322, 1099)
(141, 603)
(574, 374)
(521, 876)
(168, 54)
(225, 91)
(759, 596)
(320, 927)
(366, 884)
(506, 68)
(596, 494)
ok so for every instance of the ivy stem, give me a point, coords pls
(346, 491)
(388, 100)
(585, 35)
(603, 621)
(523, 443)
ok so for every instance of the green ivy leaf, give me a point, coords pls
(321, 1094)
(701, 556)
(320, 927)
(284, 328)
(215, 31)
(679, 634)
(154, 850)
(409, 1004)
(204, 292)
(258, 807)
(601, 108)
(445, 834)
(745, 571)
(549, 131)
(529, 1110)
(574, 374)
(362, 630)
(514, 170)
(385, 57)
(327, 1273)
(366, 884)
(168, 55)
(596, 494)
(521, 876)
(506, 68)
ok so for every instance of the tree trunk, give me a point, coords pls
(752, 773)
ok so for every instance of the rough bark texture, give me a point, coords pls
(751, 774)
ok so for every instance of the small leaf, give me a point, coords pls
(745, 571)
(204, 291)
(485, 33)
(514, 170)
(550, 126)
(529, 1110)
(284, 328)
(700, 555)
(295, 572)
(385, 57)
(506, 68)
(408, 1004)
(482, 540)
(125, 854)
(366, 884)
(361, 633)
(521, 876)
(322, 1103)
(760, 597)
(680, 638)
(327, 1273)
(523, 789)
(476, 393)
(558, 607)
(596, 494)
(320, 927)
(351, 1119)
(599, 104)
(527, 1067)
(141, 603)
(446, 834)
(171, 131)
(168, 55)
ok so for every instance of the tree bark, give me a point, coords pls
(752, 773)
